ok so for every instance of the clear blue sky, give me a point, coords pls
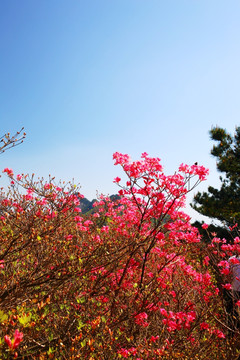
(87, 78)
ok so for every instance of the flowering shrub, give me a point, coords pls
(129, 280)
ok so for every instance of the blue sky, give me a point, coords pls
(88, 78)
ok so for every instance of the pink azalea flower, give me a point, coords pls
(220, 334)
(13, 344)
(206, 260)
(204, 326)
(124, 352)
(117, 179)
(154, 338)
(163, 312)
(233, 227)
(8, 171)
(105, 229)
(227, 286)
(17, 339)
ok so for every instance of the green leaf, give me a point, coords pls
(81, 300)
(50, 351)
(3, 316)
(80, 325)
(24, 320)
(50, 337)
(103, 319)
(83, 343)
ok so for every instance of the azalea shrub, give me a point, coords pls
(131, 279)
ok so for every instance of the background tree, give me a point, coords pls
(223, 203)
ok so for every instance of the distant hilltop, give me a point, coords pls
(87, 205)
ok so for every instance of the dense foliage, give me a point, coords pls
(223, 203)
(129, 280)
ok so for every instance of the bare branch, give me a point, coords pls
(7, 141)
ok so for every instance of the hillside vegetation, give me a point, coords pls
(129, 280)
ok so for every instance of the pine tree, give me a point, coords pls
(224, 203)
